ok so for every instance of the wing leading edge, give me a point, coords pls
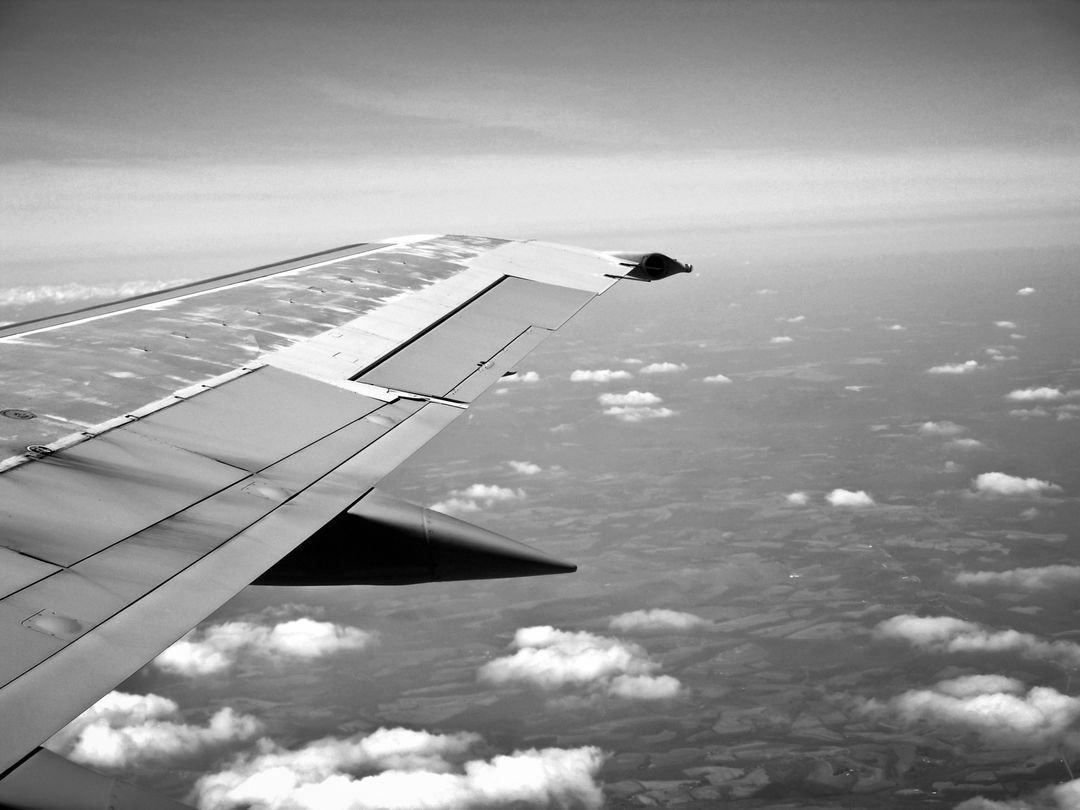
(131, 511)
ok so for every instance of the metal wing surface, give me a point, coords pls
(160, 453)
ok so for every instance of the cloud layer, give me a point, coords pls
(994, 707)
(69, 293)
(476, 497)
(945, 634)
(600, 375)
(219, 646)
(553, 659)
(657, 619)
(123, 730)
(404, 769)
(634, 406)
(664, 368)
(955, 368)
(845, 497)
(994, 484)
(1025, 579)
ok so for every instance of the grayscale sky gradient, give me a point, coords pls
(183, 139)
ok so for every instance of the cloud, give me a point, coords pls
(476, 497)
(664, 368)
(781, 339)
(634, 406)
(1025, 291)
(600, 375)
(795, 319)
(68, 293)
(955, 368)
(1026, 579)
(124, 730)
(994, 707)
(941, 428)
(998, 355)
(525, 467)
(997, 483)
(1042, 394)
(845, 497)
(1005, 324)
(717, 378)
(765, 291)
(554, 659)
(219, 646)
(896, 327)
(798, 498)
(945, 634)
(636, 414)
(1065, 796)
(965, 444)
(522, 377)
(1029, 413)
(635, 398)
(413, 769)
(649, 621)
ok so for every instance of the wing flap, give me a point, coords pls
(82, 669)
(257, 419)
(69, 505)
(437, 361)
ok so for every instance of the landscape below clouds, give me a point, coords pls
(817, 572)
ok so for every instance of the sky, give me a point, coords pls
(150, 140)
(876, 446)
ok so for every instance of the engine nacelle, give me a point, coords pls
(382, 540)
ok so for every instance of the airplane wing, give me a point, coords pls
(159, 454)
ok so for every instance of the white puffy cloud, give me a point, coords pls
(945, 428)
(1025, 291)
(1043, 393)
(1037, 412)
(717, 378)
(955, 368)
(525, 467)
(1005, 324)
(476, 497)
(664, 368)
(965, 444)
(412, 769)
(845, 497)
(946, 634)
(637, 414)
(553, 659)
(522, 377)
(218, 647)
(68, 293)
(781, 339)
(994, 707)
(634, 406)
(1065, 796)
(1026, 579)
(798, 498)
(645, 687)
(635, 398)
(999, 483)
(124, 730)
(656, 619)
(999, 355)
(600, 375)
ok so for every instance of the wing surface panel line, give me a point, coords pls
(120, 645)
